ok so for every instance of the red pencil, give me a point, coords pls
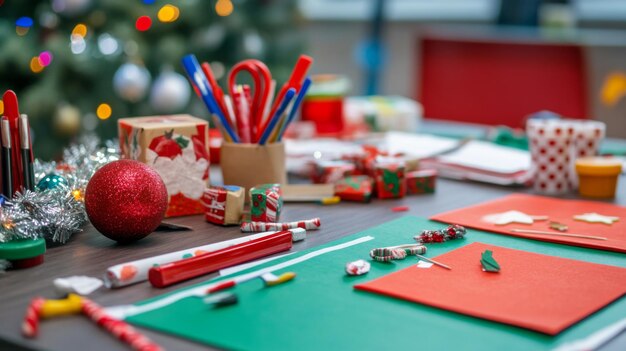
(217, 91)
(175, 272)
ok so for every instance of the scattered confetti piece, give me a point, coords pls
(358, 267)
(509, 217)
(333, 200)
(400, 208)
(434, 262)
(596, 218)
(221, 299)
(81, 285)
(488, 262)
(271, 280)
(424, 264)
(558, 226)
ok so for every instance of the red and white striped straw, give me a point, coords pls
(30, 325)
(120, 329)
(249, 227)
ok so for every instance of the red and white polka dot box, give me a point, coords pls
(586, 142)
(554, 145)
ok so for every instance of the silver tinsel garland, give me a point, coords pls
(57, 213)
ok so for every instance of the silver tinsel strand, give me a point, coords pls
(57, 213)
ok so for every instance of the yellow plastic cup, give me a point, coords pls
(597, 176)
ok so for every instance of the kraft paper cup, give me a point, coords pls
(248, 165)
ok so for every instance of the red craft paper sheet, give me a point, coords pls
(537, 292)
(558, 210)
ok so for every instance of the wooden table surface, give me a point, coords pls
(89, 253)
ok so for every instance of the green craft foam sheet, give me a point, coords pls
(320, 310)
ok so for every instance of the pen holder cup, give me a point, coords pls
(248, 165)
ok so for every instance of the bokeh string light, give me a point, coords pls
(224, 8)
(22, 25)
(35, 65)
(45, 58)
(104, 111)
(143, 23)
(168, 13)
(80, 30)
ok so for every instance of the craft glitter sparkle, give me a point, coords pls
(55, 214)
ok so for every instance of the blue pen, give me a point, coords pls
(197, 78)
(296, 104)
(283, 106)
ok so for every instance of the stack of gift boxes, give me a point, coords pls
(376, 174)
(177, 147)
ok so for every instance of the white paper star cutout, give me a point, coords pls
(512, 217)
(596, 218)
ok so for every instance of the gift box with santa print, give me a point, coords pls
(390, 181)
(266, 202)
(176, 146)
(224, 204)
(354, 188)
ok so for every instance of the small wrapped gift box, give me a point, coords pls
(390, 181)
(329, 172)
(266, 202)
(365, 161)
(223, 204)
(177, 147)
(421, 182)
(355, 188)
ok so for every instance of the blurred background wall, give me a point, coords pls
(81, 64)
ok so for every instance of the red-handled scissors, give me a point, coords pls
(262, 81)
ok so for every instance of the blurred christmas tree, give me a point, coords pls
(82, 64)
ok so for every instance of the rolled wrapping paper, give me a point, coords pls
(307, 224)
(131, 272)
(181, 270)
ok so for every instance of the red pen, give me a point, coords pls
(295, 81)
(175, 272)
(217, 91)
(12, 112)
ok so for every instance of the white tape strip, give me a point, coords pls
(125, 311)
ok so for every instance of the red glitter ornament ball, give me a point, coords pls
(126, 200)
